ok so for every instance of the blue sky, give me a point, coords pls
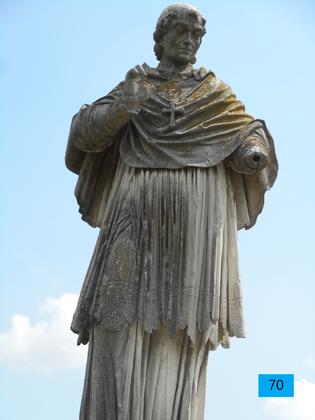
(55, 56)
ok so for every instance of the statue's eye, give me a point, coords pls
(197, 34)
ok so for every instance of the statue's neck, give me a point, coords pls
(172, 71)
(171, 67)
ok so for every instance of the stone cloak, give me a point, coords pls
(212, 128)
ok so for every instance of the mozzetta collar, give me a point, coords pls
(164, 72)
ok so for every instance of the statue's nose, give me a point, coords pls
(188, 39)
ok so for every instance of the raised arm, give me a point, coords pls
(95, 126)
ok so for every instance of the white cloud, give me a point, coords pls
(45, 345)
(300, 407)
(309, 361)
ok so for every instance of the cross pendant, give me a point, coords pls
(173, 111)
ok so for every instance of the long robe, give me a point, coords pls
(169, 206)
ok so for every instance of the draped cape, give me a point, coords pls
(209, 125)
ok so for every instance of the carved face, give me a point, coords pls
(183, 39)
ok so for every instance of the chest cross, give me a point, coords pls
(173, 111)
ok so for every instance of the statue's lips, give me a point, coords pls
(185, 50)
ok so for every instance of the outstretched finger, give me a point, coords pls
(140, 70)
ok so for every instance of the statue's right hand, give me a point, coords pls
(136, 89)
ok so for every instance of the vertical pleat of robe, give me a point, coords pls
(132, 374)
(167, 252)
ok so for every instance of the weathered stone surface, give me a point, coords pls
(170, 167)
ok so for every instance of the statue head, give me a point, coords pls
(178, 34)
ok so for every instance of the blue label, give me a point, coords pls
(276, 385)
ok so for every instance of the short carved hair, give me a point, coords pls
(165, 20)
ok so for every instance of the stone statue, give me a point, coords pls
(170, 167)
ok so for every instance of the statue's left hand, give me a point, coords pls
(250, 157)
(255, 158)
